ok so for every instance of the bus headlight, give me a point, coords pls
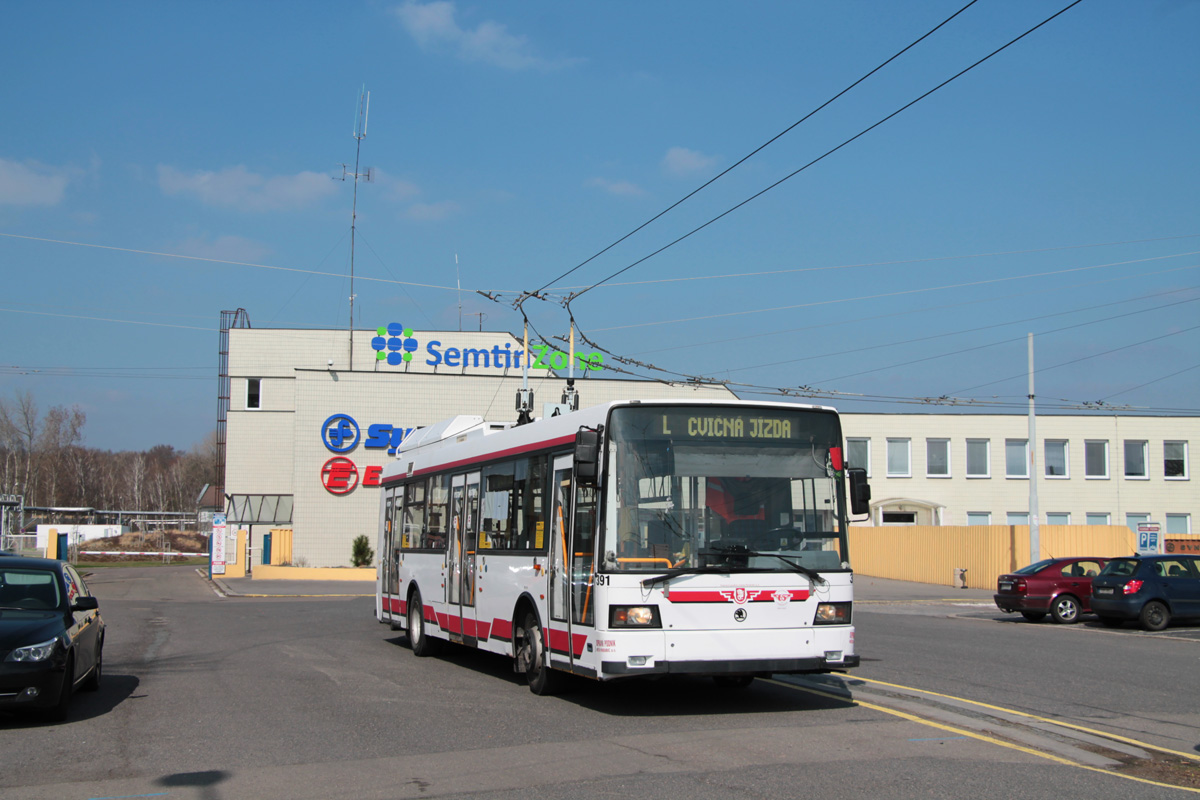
(633, 617)
(832, 614)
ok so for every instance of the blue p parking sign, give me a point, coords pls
(1149, 538)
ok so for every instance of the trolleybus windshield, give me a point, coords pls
(725, 489)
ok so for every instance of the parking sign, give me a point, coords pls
(1149, 538)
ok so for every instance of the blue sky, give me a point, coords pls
(1052, 189)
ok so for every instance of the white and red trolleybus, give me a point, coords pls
(631, 538)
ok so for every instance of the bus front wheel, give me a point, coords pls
(531, 658)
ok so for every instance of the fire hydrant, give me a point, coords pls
(960, 577)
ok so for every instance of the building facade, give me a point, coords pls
(307, 436)
(310, 427)
(974, 469)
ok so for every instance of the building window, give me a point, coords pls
(858, 454)
(979, 518)
(1058, 518)
(1057, 460)
(937, 458)
(1133, 520)
(1018, 518)
(1179, 523)
(1135, 459)
(899, 518)
(1016, 458)
(254, 393)
(978, 458)
(898, 458)
(1095, 459)
(1175, 465)
(1097, 518)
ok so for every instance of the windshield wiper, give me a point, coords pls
(741, 552)
(654, 580)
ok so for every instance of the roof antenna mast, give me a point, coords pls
(360, 133)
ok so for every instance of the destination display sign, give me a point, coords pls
(727, 424)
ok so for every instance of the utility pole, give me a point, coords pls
(360, 133)
(1035, 543)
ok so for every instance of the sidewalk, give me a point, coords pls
(866, 589)
(248, 587)
(883, 590)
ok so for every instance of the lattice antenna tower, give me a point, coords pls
(360, 133)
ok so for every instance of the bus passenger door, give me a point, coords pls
(388, 558)
(571, 569)
(460, 555)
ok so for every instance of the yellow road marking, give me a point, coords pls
(1103, 734)
(979, 736)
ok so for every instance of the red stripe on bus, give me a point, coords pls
(558, 641)
(727, 596)
(512, 451)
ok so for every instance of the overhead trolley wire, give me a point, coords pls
(824, 155)
(760, 148)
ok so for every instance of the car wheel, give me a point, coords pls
(531, 659)
(733, 681)
(1112, 622)
(1154, 616)
(1034, 616)
(92, 682)
(1065, 609)
(421, 644)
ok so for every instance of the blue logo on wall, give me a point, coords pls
(395, 343)
(340, 433)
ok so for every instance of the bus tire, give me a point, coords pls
(418, 639)
(531, 658)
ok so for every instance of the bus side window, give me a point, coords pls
(438, 521)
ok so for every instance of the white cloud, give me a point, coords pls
(624, 188)
(236, 187)
(395, 188)
(31, 184)
(224, 248)
(432, 212)
(682, 162)
(433, 25)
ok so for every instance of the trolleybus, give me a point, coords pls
(630, 538)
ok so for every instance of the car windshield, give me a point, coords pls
(1121, 567)
(1035, 568)
(723, 489)
(27, 588)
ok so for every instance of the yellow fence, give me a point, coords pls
(931, 554)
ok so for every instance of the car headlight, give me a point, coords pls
(33, 652)
(633, 617)
(832, 614)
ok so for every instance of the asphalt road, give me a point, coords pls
(211, 697)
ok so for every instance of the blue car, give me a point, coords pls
(1150, 589)
(51, 636)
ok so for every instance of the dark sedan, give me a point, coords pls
(1150, 589)
(1060, 587)
(51, 636)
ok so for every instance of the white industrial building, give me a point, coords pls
(308, 428)
(306, 436)
(973, 469)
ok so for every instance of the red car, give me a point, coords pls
(1060, 587)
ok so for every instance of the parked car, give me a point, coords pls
(1151, 589)
(1060, 587)
(51, 636)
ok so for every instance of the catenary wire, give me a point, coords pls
(828, 153)
(760, 148)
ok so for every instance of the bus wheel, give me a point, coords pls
(531, 658)
(421, 644)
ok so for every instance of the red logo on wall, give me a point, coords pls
(340, 475)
